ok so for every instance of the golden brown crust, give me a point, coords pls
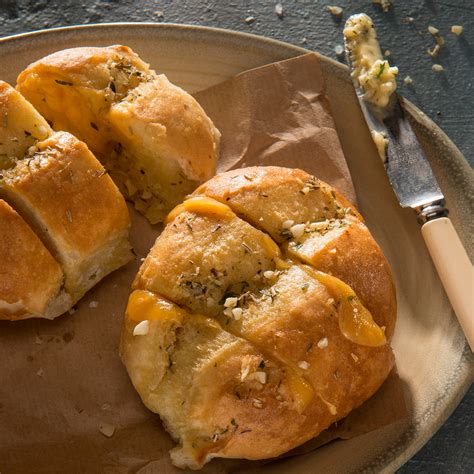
(63, 193)
(277, 194)
(29, 276)
(155, 138)
(70, 201)
(257, 361)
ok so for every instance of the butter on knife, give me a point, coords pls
(407, 167)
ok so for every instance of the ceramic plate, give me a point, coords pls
(434, 363)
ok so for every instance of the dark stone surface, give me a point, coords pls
(445, 97)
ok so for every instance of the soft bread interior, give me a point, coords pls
(307, 326)
(153, 137)
(21, 126)
(65, 195)
(30, 279)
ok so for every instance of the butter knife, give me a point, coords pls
(415, 185)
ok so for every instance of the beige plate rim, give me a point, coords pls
(411, 444)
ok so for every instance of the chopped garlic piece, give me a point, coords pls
(287, 224)
(323, 343)
(257, 403)
(107, 429)
(231, 302)
(269, 274)
(237, 313)
(457, 29)
(260, 376)
(408, 80)
(302, 364)
(433, 30)
(141, 329)
(297, 230)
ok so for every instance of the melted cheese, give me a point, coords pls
(201, 205)
(145, 306)
(355, 320)
(374, 74)
(301, 392)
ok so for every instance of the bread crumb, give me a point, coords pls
(339, 50)
(287, 224)
(356, 359)
(408, 80)
(409, 19)
(159, 13)
(387, 53)
(93, 304)
(40, 372)
(38, 340)
(433, 30)
(457, 29)
(279, 10)
(302, 364)
(249, 20)
(141, 329)
(323, 343)
(384, 4)
(335, 10)
(107, 429)
(437, 68)
(334, 250)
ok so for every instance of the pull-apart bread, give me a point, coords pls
(155, 140)
(74, 222)
(262, 315)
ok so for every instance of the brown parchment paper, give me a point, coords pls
(59, 380)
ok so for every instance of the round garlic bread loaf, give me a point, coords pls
(262, 315)
(154, 138)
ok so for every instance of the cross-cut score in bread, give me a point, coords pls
(30, 279)
(64, 194)
(241, 347)
(313, 223)
(154, 138)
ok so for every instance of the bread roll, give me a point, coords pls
(30, 279)
(154, 138)
(65, 196)
(244, 347)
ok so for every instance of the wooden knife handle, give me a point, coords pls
(454, 269)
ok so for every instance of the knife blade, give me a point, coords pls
(410, 173)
